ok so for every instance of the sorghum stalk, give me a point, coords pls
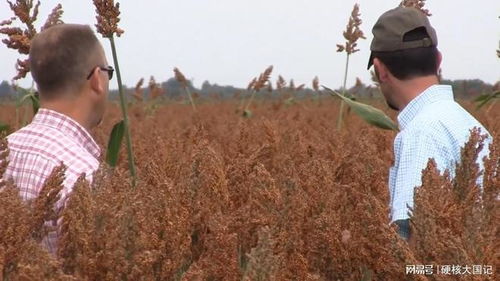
(107, 24)
(123, 105)
(340, 119)
(352, 34)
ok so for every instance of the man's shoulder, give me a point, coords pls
(446, 115)
(53, 145)
(444, 123)
(35, 132)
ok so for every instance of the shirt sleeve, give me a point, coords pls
(412, 155)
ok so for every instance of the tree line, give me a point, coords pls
(463, 89)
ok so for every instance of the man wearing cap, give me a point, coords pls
(432, 125)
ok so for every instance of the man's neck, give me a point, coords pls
(72, 109)
(412, 88)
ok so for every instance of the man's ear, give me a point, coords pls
(439, 59)
(96, 83)
(381, 69)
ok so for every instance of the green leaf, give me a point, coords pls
(247, 113)
(290, 101)
(114, 144)
(484, 99)
(35, 102)
(23, 95)
(346, 94)
(370, 114)
(32, 96)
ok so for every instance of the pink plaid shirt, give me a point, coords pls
(38, 148)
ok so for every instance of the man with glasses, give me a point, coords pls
(70, 69)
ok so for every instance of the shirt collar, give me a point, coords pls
(430, 95)
(68, 126)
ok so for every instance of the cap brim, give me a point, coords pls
(370, 60)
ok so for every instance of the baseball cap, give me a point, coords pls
(391, 30)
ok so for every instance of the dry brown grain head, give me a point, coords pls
(14, 227)
(36, 263)
(251, 84)
(180, 77)
(159, 91)
(152, 84)
(301, 87)
(208, 178)
(23, 68)
(467, 171)
(281, 83)
(219, 260)
(27, 13)
(430, 237)
(115, 234)
(4, 159)
(352, 33)
(291, 85)
(263, 79)
(54, 17)
(155, 89)
(491, 204)
(452, 219)
(262, 262)
(21, 257)
(418, 4)
(17, 39)
(138, 91)
(78, 225)
(44, 207)
(315, 83)
(108, 17)
(20, 39)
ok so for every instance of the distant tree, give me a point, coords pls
(174, 89)
(205, 87)
(468, 89)
(6, 90)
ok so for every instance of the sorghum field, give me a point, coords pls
(280, 196)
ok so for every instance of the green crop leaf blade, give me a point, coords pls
(370, 114)
(350, 96)
(24, 95)
(247, 113)
(114, 144)
(484, 99)
(290, 101)
(35, 102)
(29, 95)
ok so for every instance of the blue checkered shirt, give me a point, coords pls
(432, 125)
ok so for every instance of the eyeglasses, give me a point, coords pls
(109, 69)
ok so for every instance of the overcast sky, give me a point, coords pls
(230, 41)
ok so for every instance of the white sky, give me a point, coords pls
(230, 41)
